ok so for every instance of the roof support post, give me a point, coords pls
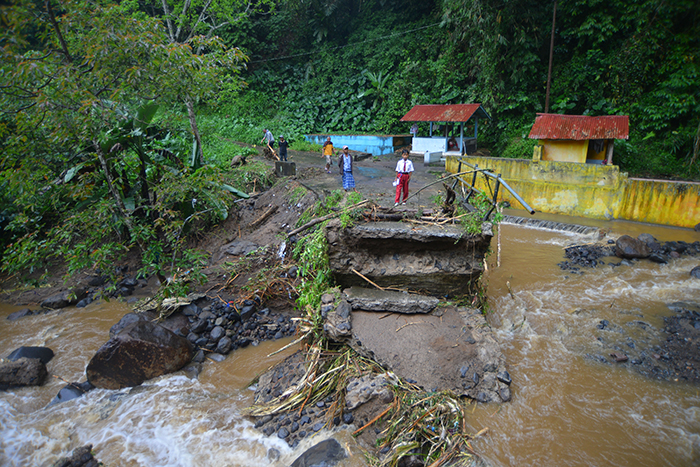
(609, 152)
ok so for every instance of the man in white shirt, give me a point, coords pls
(404, 167)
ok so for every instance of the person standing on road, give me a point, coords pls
(404, 167)
(267, 135)
(328, 153)
(345, 166)
(283, 148)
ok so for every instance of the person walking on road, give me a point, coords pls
(345, 166)
(328, 153)
(404, 167)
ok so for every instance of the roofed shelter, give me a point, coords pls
(446, 127)
(578, 138)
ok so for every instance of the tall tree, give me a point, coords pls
(73, 75)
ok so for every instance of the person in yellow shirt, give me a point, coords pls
(328, 152)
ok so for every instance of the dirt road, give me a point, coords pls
(374, 177)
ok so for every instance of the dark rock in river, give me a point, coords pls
(64, 299)
(630, 248)
(81, 457)
(141, 351)
(327, 453)
(19, 314)
(42, 353)
(71, 391)
(650, 241)
(695, 272)
(127, 320)
(22, 372)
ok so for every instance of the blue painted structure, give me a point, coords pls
(376, 145)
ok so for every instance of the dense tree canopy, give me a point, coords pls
(86, 173)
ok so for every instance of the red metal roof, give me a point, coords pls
(444, 113)
(580, 127)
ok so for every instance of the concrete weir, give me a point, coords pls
(438, 260)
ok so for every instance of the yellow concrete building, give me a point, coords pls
(578, 138)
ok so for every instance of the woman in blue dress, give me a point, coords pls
(345, 165)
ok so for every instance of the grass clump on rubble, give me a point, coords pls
(264, 273)
(431, 426)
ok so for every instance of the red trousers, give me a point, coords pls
(403, 185)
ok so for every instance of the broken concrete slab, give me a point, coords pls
(440, 260)
(455, 351)
(361, 298)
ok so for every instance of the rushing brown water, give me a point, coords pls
(567, 410)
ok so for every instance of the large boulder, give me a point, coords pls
(22, 372)
(141, 351)
(630, 248)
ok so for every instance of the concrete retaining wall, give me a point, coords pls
(590, 190)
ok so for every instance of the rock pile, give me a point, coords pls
(645, 246)
(222, 327)
(296, 425)
(670, 353)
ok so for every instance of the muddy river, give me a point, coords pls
(568, 409)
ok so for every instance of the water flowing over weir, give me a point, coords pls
(568, 408)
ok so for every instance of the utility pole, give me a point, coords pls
(551, 54)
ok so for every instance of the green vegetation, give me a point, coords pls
(311, 250)
(311, 253)
(471, 220)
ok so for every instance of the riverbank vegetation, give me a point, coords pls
(118, 122)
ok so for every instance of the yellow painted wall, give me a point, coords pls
(589, 190)
(661, 202)
(564, 150)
